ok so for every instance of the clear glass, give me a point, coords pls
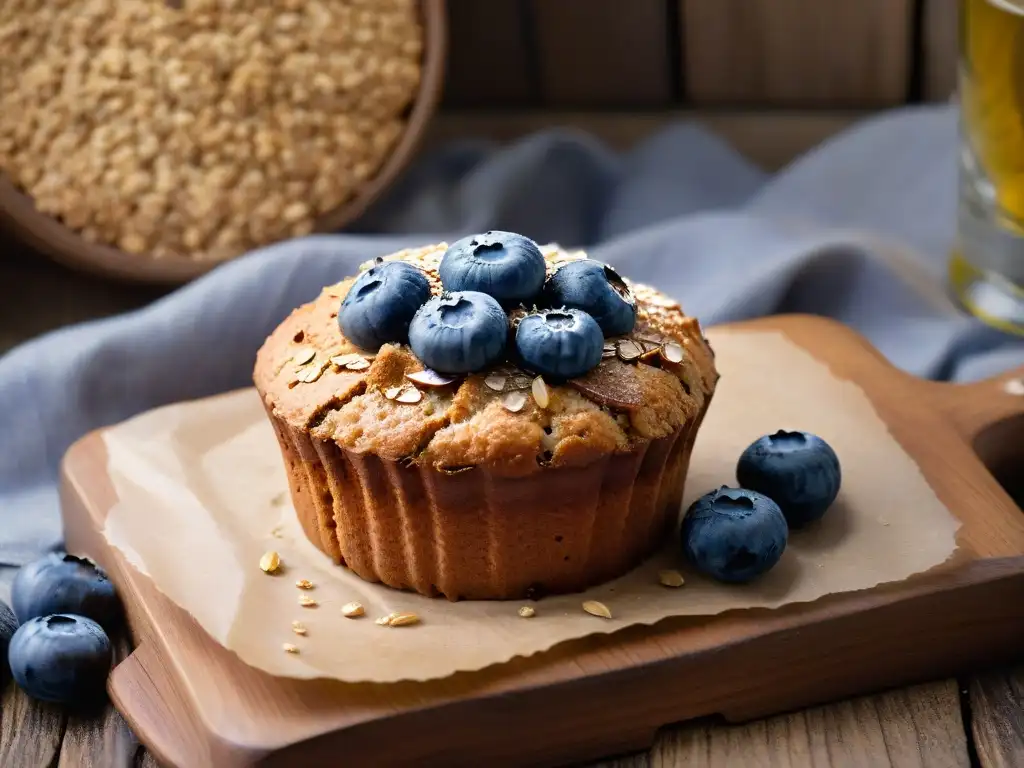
(986, 270)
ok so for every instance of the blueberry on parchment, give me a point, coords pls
(798, 470)
(733, 534)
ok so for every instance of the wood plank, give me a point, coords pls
(50, 296)
(770, 139)
(918, 726)
(101, 740)
(603, 53)
(490, 63)
(797, 52)
(997, 717)
(30, 732)
(939, 49)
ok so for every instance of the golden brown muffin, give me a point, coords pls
(494, 484)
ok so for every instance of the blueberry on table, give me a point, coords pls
(504, 265)
(62, 658)
(559, 343)
(459, 332)
(733, 534)
(60, 583)
(381, 303)
(596, 289)
(798, 470)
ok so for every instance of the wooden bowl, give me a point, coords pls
(49, 236)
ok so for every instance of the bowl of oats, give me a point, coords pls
(153, 141)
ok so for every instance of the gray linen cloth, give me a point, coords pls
(858, 230)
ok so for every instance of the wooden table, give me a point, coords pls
(975, 720)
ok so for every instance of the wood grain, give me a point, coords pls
(601, 53)
(100, 740)
(103, 741)
(490, 62)
(30, 732)
(769, 139)
(919, 726)
(797, 52)
(49, 296)
(939, 49)
(608, 695)
(997, 717)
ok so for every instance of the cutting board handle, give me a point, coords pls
(976, 407)
(153, 710)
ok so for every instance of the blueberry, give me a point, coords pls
(8, 624)
(459, 332)
(798, 470)
(733, 534)
(381, 303)
(504, 265)
(62, 658)
(559, 343)
(64, 584)
(598, 290)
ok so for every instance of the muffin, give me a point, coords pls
(490, 420)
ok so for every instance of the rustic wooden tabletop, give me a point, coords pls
(977, 720)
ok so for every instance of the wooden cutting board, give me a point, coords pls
(194, 704)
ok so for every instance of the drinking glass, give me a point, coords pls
(986, 270)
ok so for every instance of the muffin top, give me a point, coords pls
(511, 387)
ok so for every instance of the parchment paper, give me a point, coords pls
(203, 495)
